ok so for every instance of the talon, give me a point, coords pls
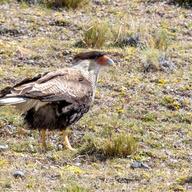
(66, 141)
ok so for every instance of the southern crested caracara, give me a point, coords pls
(56, 100)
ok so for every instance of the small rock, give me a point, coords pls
(126, 179)
(3, 147)
(18, 174)
(10, 129)
(188, 180)
(4, 31)
(30, 61)
(54, 176)
(166, 64)
(97, 2)
(137, 164)
(132, 41)
(59, 147)
(66, 52)
(34, 2)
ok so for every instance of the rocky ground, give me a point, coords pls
(153, 106)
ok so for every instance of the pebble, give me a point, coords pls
(59, 147)
(138, 164)
(3, 147)
(97, 2)
(166, 64)
(132, 41)
(10, 129)
(18, 174)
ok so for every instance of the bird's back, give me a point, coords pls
(53, 100)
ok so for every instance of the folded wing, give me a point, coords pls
(68, 85)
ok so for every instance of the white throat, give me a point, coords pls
(90, 67)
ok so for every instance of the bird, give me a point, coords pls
(57, 99)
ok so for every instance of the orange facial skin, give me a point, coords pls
(103, 60)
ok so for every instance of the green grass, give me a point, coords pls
(119, 145)
(136, 116)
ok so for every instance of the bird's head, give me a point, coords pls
(93, 59)
(92, 62)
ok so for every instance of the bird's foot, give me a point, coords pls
(43, 145)
(66, 141)
(70, 148)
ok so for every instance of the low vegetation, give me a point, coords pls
(119, 145)
(115, 145)
(182, 2)
(69, 4)
(155, 51)
(139, 129)
(96, 34)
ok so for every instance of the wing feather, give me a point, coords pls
(68, 84)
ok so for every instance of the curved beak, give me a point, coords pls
(110, 61)
(105, 61)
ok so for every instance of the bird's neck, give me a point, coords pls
(90, 67)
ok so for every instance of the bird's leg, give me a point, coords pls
(43, 139)
(66, 141)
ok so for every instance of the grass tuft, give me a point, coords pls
(155, 51)
(127, 35)
(70, 4)
(120, 145)
(159, 39)
(97, 34)
(117, 145)
(171, 103)
(150, 59)
(73, 188)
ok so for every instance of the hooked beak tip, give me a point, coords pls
(110, 62)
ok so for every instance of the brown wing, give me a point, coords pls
(7, 90)
(68, 84)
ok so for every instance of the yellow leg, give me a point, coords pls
(66, 141)
(43, 139)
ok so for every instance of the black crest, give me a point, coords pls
(89, 55)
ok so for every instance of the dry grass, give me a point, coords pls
(155, 49)
(154, 108)
(150, 59)
(97, 34)
(72, 188)
(70, 4)
(159, 39)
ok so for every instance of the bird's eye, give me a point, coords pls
(81, 78)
